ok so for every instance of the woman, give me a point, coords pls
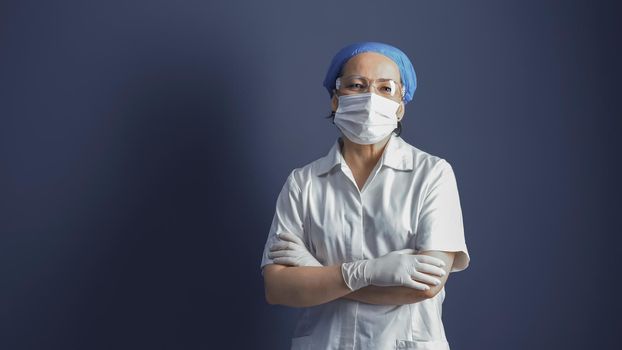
(364, 238)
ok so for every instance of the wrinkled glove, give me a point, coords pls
(397, 268)
(291, 250)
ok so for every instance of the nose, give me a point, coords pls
(370, 85)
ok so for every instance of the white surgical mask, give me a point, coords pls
(366, 118)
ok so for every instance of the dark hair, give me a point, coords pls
(397, 130)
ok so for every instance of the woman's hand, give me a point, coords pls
(291, 250)
(414, 271)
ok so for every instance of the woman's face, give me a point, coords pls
(371, 65)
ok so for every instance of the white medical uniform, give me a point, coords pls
(410, 200)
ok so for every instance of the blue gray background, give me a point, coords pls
(143, 144)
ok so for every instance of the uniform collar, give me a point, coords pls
(396, 155)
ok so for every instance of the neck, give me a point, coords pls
(365, 156)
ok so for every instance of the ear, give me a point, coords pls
(400, 111)
(334, 102)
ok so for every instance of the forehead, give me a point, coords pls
(371, 65)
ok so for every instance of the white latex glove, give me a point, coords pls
(397, 268)
(291, 250)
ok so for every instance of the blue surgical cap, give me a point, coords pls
(407, 72)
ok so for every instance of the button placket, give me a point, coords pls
(352, 210)
(348, 173)
(357, 240)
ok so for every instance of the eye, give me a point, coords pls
(357, 86)
(386, 87)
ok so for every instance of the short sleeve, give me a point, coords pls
(440, 219)
(287, 216)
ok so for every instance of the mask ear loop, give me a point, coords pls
(337, 86)
(398, 129)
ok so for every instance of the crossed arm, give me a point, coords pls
(304, 286)
(404, 295)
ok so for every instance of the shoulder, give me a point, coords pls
(423, 161)
(434, 170)
(301, 175)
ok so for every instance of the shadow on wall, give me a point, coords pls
(159, 262)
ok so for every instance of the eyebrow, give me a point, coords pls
(362, 76)
(400, 81)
